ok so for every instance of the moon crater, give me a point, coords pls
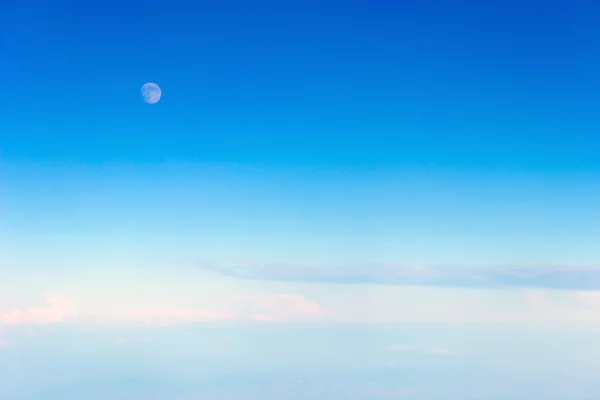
(151, 93)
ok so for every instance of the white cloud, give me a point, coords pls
(401, 347)
(261, 307)
(405, 347)
(442, 352)
(567, 306)
(57, 309)
(122, 340)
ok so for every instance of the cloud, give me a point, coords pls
(442, 352)
(164, 316)
(122, 340)
(588, 298)
(57, 309)
(281, 307)
(263, 307)
(468, 276)
(404, 347)
(401, 347)
(573, 306)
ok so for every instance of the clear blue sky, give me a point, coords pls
(429, 125)
(478, 86)
(308, 161)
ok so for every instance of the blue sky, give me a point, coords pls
(354, 166)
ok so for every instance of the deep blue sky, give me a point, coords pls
(476, 85)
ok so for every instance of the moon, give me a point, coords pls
(151, 93)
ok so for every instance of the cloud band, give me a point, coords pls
(486, 277)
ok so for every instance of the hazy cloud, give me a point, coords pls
(498, 276)
(404, 347)
(166, 316)
(578, 305)
(263, 307)
(442, 352)
(281, 307)
(122, 340)
(57, 309)
(401, 347)
(588, 298)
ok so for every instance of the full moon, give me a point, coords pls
(151, 93)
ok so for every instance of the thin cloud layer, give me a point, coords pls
(498, 277)
(166, 316)
(582, 305)
(57, 309)
(283, 307)
(264, 307)
(404, 347)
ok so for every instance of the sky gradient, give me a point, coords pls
(368, 184)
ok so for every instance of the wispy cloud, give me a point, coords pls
(164, 316)
(122, 340)
(57, 309)
(442, 352)
(474, 276)
(281, 307)
(402, 347)
(263, 307)
(579, 305)
(588, 298)
(405, 347)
